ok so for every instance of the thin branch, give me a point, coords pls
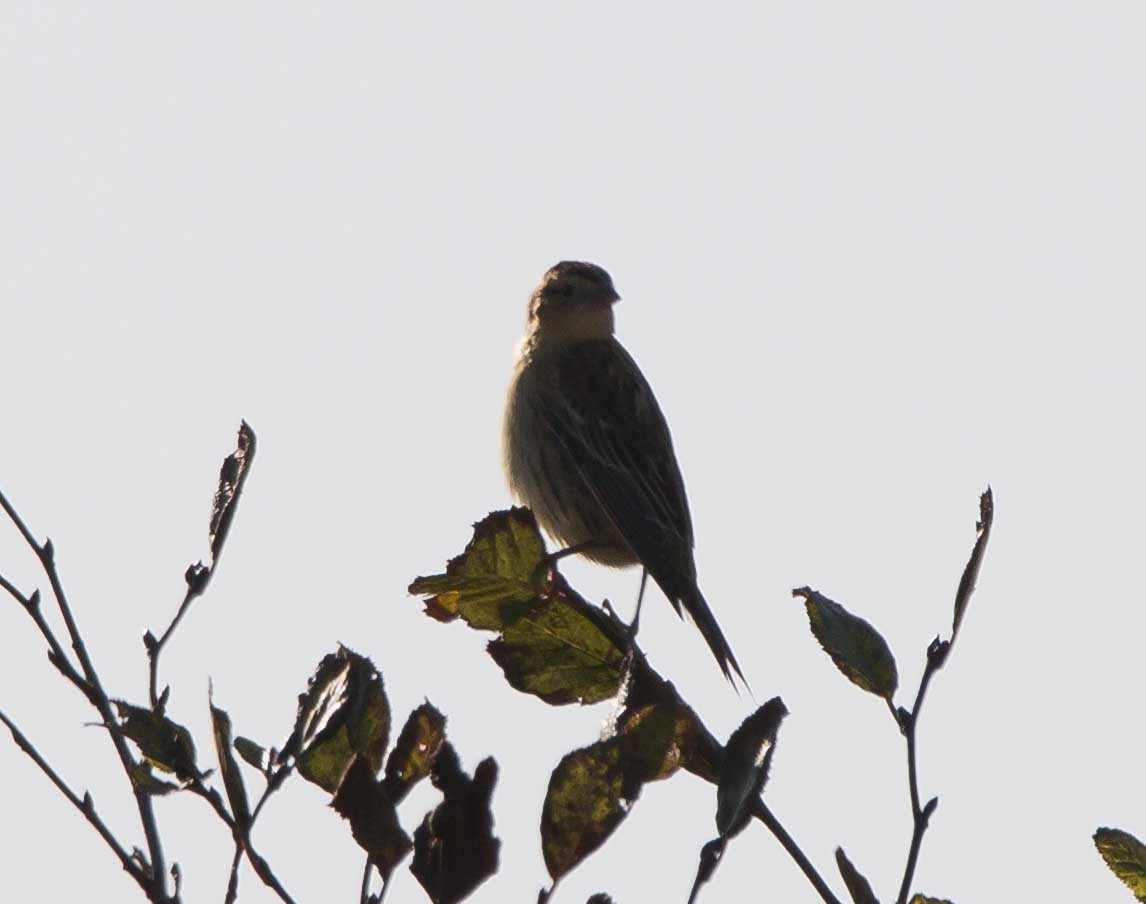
(920, 814)
(46, 554)
(233, 881)
(56, 654)
(760, 811)
(84, 805)
(195, 587)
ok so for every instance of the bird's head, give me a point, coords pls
(573, 300)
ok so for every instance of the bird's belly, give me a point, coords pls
(542, 477)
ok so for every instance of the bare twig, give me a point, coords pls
(233, 881)
(920, 814)
(84, 805)
(98, 697)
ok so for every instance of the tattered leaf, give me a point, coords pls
(229, 768)
(558, 653)
(855, 646)
(232, 476)
(363, 802)
(343, 714)
(1126, 857)
(971, 571)
(252, 753)
(583, 805)
(491, 584)
(165, 744)
(858, 887)
(416, 750)
(454, 847)
(747, 757)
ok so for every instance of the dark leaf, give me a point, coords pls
(492, 583)
(253, 753)
(414, 754)
(858, 887)
(146, 780)
(343, 714)
(560, 654)
(925, 899)
(1126, 857)
(656, 740)
(165, 744)
(710, 856)
(971, 572)
(454, 847)
(583, 805)
(232, 476)
(747, 757)
(600, 898)
(855, 646)
(229, 767)
(362, 801)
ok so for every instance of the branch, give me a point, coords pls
(84, 805)
(760, 811)
(99, 699)
(920, 815)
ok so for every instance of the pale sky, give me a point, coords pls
(873, 258)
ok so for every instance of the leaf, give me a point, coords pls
(855, 646)
(252, 753)
(971, 571)
(363, 802)
(414, 754)
(924, 899)
(454, 847)
(747, 757)
(143, 778)
(656, 740)
(343, 714)
(232, 778)
(491, 584)
(560, 654)
(600, 898)
(1126, 857)
(232, 476)
(858, 887)
(583, 805)
(165, 744)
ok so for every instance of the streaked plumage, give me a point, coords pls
(588, 450)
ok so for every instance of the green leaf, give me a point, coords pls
(165, 744)
(454, 847)
(747, 757)
(1126, 857)
(364, 803)
(413, 756)
(971, 571)
(583, 805)
(343, 714)
(656, 740)
(559, 653)
(855, 646)
(492, 583)
(146, 780)
(229, 767)
(252, 753)
(858, 887)
(924, 899)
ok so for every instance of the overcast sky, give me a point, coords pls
(873, 257)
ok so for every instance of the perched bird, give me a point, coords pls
(587, 448)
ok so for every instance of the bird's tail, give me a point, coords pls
(694, 603)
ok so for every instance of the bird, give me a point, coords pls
(587, 449)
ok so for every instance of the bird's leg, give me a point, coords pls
(547, 567)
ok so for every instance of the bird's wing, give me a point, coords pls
(607, 418)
